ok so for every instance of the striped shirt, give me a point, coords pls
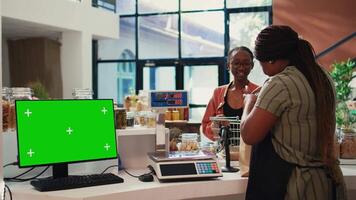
(289, 96)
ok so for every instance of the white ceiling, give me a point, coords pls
(16, 29)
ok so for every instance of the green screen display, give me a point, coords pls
(64, 131)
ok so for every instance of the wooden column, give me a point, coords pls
(36, 59)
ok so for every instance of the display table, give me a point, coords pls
(230, 186)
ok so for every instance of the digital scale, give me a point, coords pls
(177, 165)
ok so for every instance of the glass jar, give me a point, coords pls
(142, 116)
(209, 147)
(130, 119)
(120, 118)
(168, 115)
(82, 93)
(6, 104)
(151, 120)
(175, 115)
(348, 145)
(189, 142)
(17, 93)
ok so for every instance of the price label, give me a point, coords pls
(166, 99)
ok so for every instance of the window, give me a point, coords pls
(116, 80)
(200, 82)
(201, 39)
(112, 49)
(158, 36)
(167, 46)
(159, 78)
(244, 28)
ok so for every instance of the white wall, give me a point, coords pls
(78, 23)
(64, 15)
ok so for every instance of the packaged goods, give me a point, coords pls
(120, 118)
(142, 118)
(189, 142)
(175, 115)
(5, 108)
(168, 115)
(348, 146)
(130, 119)
(151, 120)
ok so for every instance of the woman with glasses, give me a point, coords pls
(291, 124)
(227, 100)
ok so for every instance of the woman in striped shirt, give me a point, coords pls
(291, 124)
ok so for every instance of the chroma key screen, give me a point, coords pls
(64, 131)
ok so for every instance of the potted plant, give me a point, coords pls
(39, 90)
(342, 74)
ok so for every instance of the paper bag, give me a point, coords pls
(245, 155)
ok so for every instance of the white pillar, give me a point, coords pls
(76, 61)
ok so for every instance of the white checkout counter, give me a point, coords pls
(230, 186)
(133, 145)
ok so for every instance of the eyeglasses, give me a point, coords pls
(235, 65)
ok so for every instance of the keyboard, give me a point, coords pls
(70, 182)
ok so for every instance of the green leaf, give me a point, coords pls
(342, 75)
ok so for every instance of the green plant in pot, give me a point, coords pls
(39, 90)
(342, 76)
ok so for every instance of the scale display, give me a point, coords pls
(168, 99)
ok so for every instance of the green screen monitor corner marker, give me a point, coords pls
(59, 132)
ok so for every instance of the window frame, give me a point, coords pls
(179, 62)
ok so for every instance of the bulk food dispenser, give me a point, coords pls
(177, 165)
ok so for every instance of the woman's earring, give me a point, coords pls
(271, 62)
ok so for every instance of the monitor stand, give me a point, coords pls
(60, 170)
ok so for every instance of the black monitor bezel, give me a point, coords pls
(66, 162)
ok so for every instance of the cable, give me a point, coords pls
(109, 168)
(136, 176)
(13, 163)
(16, 179)
(8, 189)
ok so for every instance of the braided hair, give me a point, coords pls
(282, 42)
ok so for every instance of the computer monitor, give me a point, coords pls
(59, 132)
